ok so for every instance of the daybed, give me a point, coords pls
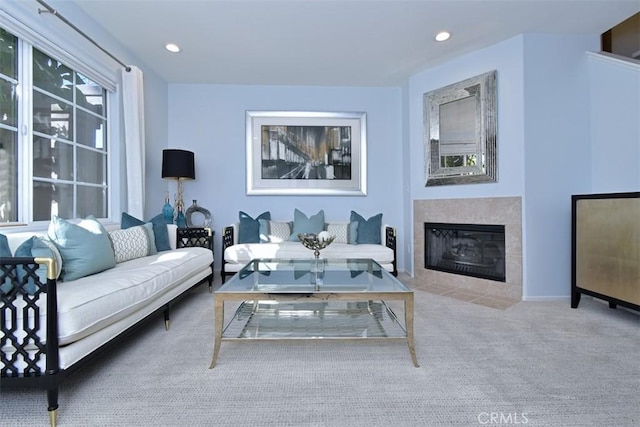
(50, 328)
(261, 237)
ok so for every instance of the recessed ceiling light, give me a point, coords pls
(442, 36)
(172, 47)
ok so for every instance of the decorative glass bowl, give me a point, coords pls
(316, 242)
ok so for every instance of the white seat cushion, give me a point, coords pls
(243, 253)
(93, 302)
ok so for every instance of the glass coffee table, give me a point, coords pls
(313, 299)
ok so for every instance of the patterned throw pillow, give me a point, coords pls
(160, 232)
(339, 231)
(130, 243)
(274, 232)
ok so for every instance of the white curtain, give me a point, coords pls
(133, 109)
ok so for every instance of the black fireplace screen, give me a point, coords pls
(469, 249)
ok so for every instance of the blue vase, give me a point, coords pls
(181, 221)
(167, 211)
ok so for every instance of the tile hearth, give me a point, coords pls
(461, 294)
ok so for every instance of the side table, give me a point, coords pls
(196, 237)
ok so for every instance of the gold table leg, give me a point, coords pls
(218, 325)
(408, 319)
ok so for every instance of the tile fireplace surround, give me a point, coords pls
(505, 211)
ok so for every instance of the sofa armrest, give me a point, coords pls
(172, 230)
(228, 237)
(33, 353)
(390, 242)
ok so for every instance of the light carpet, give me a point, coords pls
(535, 363)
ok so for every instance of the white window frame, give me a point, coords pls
(100, 70)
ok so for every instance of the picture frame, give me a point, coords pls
(460, 132)
(306, 153)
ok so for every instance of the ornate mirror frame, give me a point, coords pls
(460, 126)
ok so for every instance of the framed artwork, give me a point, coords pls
(306, 153)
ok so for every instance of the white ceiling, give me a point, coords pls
(328, 42)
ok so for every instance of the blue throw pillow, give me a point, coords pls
(161, 232)
(24, 250)
(302, 224)
(36, 247)
(159, 224)
(148, 228)
(368, 229)
(5, 252)
(85, 247)
(352, 238)
(249, 228)
(128, 221)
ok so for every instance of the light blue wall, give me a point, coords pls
(615, 124)
(566, 125)
(544, 146)
(506, 58)
(210, 120)
(406, 238)
(557, 155)
(545, 151)
(156, 105)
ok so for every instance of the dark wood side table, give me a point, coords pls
(197, 237)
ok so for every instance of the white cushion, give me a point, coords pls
(238, 255)
(243, 253)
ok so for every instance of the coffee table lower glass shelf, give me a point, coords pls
(323, 320)
(284, 299)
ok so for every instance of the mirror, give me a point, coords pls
(460, 125)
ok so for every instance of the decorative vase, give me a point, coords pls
(167, 210)
(197, 216)
(181, 222)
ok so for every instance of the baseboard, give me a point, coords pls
(563, 298)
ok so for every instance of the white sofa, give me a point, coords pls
(92, 311)
(237, 255)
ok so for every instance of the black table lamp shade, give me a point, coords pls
(178, 164)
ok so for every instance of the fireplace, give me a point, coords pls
(506, 211)
(475, 250)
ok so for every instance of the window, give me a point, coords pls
(53, 137)
(8, 126)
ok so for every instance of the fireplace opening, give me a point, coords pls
(475, 250)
